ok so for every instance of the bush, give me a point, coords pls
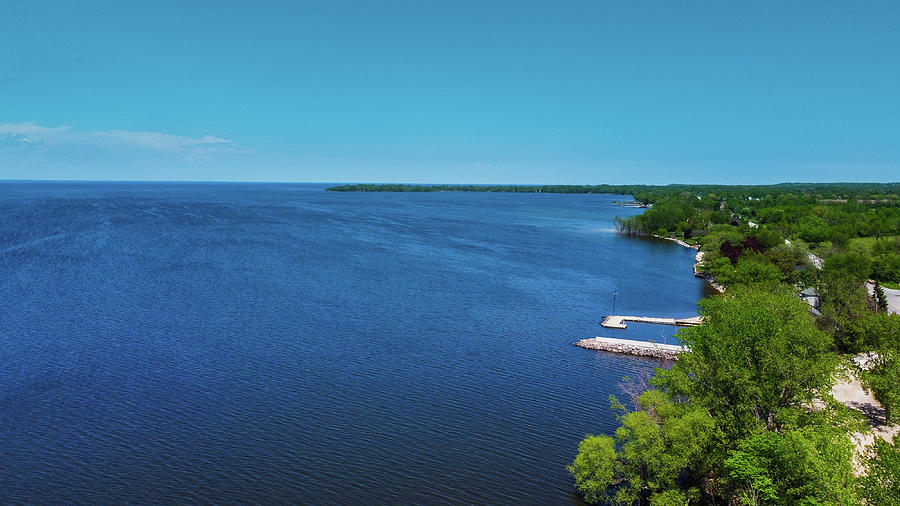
(750, 269)
(852, 264)
(813, 229)
(788, 259)
(887, 267)
(886, 246)
(768, 238)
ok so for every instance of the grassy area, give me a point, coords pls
(868, 242)
(888, 284)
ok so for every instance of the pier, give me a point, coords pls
(618, 322)
(639, 348)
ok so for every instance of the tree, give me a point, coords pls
(754, 268)
(843, 301)
(882, 332)
(756, 354)
(812, 465)
(880, 298)
(788, 259)
(813, 229)
(886, 267)
(656, 450)
(881, 485)
(767, 238)
(851, 264)
(594, 467)
(672, 497)
(751, 469)
(730, 419)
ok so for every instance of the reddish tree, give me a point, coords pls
(752, 243)
(730, 251)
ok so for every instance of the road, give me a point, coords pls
(893, 297)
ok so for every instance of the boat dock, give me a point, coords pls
(639, 348)
(618, 322)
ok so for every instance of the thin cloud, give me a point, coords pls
(32, 134)
(29, 133)
(158, 140)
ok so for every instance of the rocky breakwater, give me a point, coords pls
(627, 346)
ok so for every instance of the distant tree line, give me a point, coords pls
(650, 193)
(603, 188)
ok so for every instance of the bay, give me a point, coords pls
(276, 343)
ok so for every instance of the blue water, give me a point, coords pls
(165, 343)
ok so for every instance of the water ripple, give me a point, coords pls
(267, 344)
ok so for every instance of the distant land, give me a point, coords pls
(889, 191)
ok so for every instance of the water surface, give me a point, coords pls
(164, 343)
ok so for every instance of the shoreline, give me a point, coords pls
(698, 259)
(676, 241)
(649, 348)
(709, 278)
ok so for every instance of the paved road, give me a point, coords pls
(893, 297)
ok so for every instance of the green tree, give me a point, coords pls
(852, 264)
(886, 267)
(789, 259)
(731, 418)
(881, 485)
(813, 229)
(882, 332)
(757, 353)
(662, 446)
(768, 238)
(881, 301)
(750, 269)
(812, 465)
(673, 497)
(594, 468)
(843, 301)
(751, 470)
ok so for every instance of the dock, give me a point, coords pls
(618, 322)
(627, 346)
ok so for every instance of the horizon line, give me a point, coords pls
(226, 181)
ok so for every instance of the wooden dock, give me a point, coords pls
(618, 322)
(627, 346)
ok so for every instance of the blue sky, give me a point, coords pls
(458, 92)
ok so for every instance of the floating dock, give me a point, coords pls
(639, 348)
(618, 322)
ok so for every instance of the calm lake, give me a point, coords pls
(273, 343)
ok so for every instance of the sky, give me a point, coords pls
(528, 92)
